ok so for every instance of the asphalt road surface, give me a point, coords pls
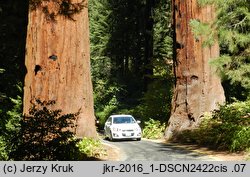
(154, 151)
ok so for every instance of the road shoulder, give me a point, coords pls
(212, 154)
(113, 153)
(116, 154)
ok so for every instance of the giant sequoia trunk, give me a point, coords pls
(197, 88)
(58, 60)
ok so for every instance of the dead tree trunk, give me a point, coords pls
(197, 88)
(58, 60)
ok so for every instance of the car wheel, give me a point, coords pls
(111, 138)
(105, 135)
(138, 139)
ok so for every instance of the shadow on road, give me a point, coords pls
(174, 149)
(155, 151)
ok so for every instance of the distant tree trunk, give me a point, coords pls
(149, 22)
(58, 60)
(197, 88)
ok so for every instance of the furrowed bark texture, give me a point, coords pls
(58, 65)
(197, 88)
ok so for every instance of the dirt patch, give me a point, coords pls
(113, 153)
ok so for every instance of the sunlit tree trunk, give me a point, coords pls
(197, 88)
(58, 60)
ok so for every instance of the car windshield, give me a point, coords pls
(123, 120)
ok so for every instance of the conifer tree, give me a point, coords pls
(233, 26)
(197, 88)
(58, 60)
(129, 39)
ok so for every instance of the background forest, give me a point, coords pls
(131, 64)
(131, 55)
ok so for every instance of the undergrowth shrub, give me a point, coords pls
(153, 129)
(9, 125)
(44, 135)
(3, 150)
(91, 147)
(47, 134)
(226, 128)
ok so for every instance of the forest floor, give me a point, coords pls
(113, 153)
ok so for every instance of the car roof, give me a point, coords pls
(121, 115)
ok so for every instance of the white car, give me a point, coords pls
(122, 127)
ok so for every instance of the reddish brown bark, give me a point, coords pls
(197, 88)
(58, 64)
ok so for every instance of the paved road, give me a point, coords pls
(154, 151)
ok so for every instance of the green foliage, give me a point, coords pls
(203, 30)
(241, 139)
(47, 134)
(13, 25)
(235, 121)
(203, 3)
(10, 127)
(15, 115)
(44, 135)
(1, 70)
(232, 26)
(110, 108)
(120, 62)
(91, 147)
(162, 35)
(153, 129)
(227, 128)
(156, 102)
(4, 152)
(105, 91)
(99, 14)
